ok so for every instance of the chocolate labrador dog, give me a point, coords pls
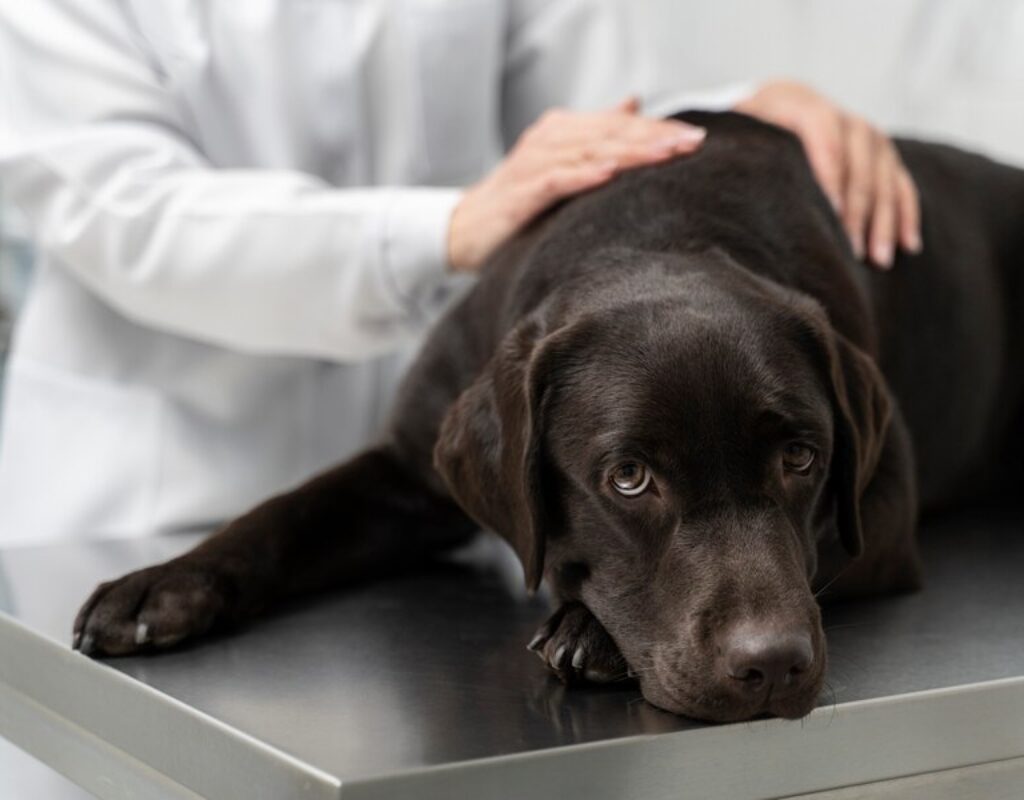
(681, 400)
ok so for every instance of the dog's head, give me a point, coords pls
(674, 463)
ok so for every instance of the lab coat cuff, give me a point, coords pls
(415, 250)
(722, 98)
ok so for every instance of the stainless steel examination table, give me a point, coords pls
(421, 687)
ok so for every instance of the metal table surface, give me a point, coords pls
(420, 686)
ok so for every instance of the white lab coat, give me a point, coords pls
(219, 310)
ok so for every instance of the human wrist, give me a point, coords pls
(465, 244)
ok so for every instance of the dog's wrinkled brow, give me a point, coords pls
(795, 415)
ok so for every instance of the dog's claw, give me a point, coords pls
(154, 607)
(574, 645)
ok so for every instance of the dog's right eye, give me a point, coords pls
(630, 479)
(798, 457)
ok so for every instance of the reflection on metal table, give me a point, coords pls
(421, 686)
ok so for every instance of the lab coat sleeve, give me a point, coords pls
(263, 261)
(580, 54)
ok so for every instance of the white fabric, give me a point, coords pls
(945, 70)
(222, 307)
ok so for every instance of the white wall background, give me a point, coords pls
(951, 70)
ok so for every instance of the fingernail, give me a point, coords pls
(685, 137)
(881, 254)
(630, 105)
(141, 633)
(75, 639)
(88, 644)
(536, 642)
(559, 656)
(837, 203)
(914, 244)
(577, 658)
(857, 243)
(689, 135)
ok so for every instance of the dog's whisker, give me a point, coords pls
(834, 703)
(834, 578)
(843, 625)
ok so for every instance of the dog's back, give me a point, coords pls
(951, 334)
(941, 324)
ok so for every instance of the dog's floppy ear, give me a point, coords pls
(863, 412)
(489, 450)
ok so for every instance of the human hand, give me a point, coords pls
(562, 154)
(857, 166)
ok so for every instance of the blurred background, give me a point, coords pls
(949, 70)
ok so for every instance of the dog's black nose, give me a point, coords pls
(758, 657)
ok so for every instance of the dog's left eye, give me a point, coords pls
(630, 479)
(798, 457)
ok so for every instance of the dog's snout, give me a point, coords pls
(756, 658)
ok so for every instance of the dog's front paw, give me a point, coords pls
(575, 646)
(156, 607)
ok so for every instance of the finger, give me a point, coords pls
(550, 126)
(645, 130)
(581, 130)
(822, 138)
(561, 182)
(909, 207)
(627, 155)
(631, 105)
(858, 182)
(882, 225)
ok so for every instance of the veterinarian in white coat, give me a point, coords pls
(241, 230)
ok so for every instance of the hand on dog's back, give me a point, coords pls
(562, 154)
(568, 152)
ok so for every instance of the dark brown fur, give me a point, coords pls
(695, 316)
